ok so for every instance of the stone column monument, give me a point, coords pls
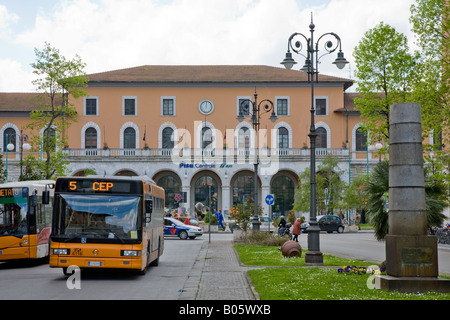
(411, 254)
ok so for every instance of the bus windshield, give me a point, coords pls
(98, 217)
(13, 213)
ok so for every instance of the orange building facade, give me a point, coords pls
(179, 126)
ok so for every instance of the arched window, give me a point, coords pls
(90, 138)
(244, 138)
(167, 141)
(321, 140)
(207, 138)
(283, 138)
(129, 138)
(9, 137)
(361, 140)
(49, 141)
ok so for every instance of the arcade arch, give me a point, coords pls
(171, 183)
(206, 187)
(283, 186)
(242, 188)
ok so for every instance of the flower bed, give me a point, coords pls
(351, 270)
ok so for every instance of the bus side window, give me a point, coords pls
(148, 210)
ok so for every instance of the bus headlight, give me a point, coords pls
(61, 251)
(130, 253)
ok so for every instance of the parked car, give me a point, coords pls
(189, 221)
(328, 223)
(174, 227)
(266, 224)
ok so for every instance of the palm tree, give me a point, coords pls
(377, 194)
(377, 189)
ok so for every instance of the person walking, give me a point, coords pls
(220, 219)
(296, 230)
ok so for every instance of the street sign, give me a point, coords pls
(270, 199)
(178, 197)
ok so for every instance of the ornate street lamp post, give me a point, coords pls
(24, 145)
(313, 255)
(267, 106)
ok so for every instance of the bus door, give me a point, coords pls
(39, 226)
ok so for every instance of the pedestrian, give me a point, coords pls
(296, 230)
(281, 226)
(220, 219)
(358, 220)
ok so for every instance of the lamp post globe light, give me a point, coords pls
(295, 42)
(10, 146)
(267, 106)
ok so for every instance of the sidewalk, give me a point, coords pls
(217, 274)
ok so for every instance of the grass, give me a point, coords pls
(288, 278)
(253, 255)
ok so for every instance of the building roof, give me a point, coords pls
(349, 103)
(209, 74)
(19, 101)
(24, 101)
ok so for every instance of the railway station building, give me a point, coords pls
(189, 129)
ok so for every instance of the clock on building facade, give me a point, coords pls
(206, 107)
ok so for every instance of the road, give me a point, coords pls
(28, 281)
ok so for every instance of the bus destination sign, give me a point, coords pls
(95, 186)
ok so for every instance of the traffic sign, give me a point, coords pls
(270, 199)
(178, 197)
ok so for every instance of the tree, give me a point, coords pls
(355, 195)
(432, 28)
(242, 213)
(327, 177)
(378, 197)
(384, 71)
(2, 171)
(57, 79)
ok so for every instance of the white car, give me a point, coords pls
(266, 224)
(174, 227)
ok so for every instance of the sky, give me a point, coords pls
(116, 34)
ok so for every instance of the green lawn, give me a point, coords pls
(252, 255)
(289, 279)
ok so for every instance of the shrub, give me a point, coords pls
(214, 219)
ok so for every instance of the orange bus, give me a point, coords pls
(25, 219)
(101, 222)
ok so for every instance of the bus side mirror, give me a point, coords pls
(45, 197)
(148, 206)
(148, 210)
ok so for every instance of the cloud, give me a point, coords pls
(14, 78)
(114, 34)
(6, 19)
